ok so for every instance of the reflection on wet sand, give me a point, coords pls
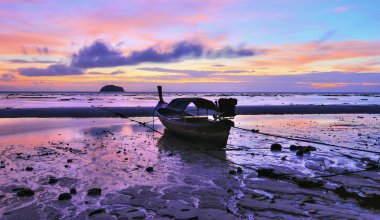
(186, 148)
(143, 174)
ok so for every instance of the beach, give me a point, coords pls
(116, 168)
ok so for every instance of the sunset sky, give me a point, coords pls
(190, 45)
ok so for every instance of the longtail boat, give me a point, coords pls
(200, 127)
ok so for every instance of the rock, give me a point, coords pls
(267, 172)
(29, 168)
(309, 199)
(69, 160)
(179, 210)
(344, 194)
(239, 170)
(111, 88)
(73, 191)
(302, 149)
(312, 211)
(308, 183)
(371, 201)
(232, 172)
(149, 169)
(24, 192)
(64, 196)
(97, 211)
(300, 153)
(53, 180)
(94, 192)
(276, 147)
(128, 213)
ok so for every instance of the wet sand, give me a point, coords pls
(94, 112)
(187, 180)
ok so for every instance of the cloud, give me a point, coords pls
(229, 52)
(7, 77)
(29, 61)
(339, 84)
(99, 54)
(180, 72)
(94, 73)
(196, 73)
(42, 50)
(297, 55)
(52, 70)
(27, 43)
(117, 72)
(218, 65)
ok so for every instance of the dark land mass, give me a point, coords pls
(111, 88)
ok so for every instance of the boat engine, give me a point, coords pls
(227, 107)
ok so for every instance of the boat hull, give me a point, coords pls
(215, 133)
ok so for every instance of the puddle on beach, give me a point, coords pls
(188, 179)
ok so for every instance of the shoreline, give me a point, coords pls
(105, 112)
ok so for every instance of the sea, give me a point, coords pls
(149, 99)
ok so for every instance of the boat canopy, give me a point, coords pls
(180, 104)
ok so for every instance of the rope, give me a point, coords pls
(373, 167)
(133, 120)
(307, 141)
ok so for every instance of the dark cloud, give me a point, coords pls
(117, 72)
(100, 54)
(95, 73)
(52, 70)
(7, 77)
(97, 55)
(229, 52)
(42, 50)
(219, 65)
(29, 61)
(102, 73)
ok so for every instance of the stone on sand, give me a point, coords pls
(94, 192)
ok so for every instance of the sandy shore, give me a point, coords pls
(142, 174)
(94, 112)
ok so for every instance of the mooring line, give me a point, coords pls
(129, 118)
(305, 140)
(373, 167)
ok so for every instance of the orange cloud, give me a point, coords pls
(298, 55)
(15, 43)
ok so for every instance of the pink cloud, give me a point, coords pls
(339, 84)
(18, 41)
(295, 55)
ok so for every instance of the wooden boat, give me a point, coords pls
(197, 127)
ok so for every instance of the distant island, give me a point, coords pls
(111, 88)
